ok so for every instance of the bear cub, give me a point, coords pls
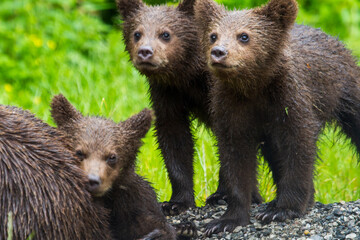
(107, 152)
(40, 184)
(277, 84)
(163, 45)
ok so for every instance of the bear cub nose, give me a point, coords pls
(145, 53)
(218, 53)
(94, 182)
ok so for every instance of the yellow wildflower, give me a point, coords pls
(37, 100)
(51, 44)
(36, 40)
(8, 87)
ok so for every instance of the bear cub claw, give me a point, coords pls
(217, 198)
(185, 231)
(222, 225)
(272, 213)
(173, 208)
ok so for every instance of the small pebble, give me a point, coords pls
(237, 229)
(337, 212)
(316, 237)
(207, 220)
(328, 237)
(351, 236)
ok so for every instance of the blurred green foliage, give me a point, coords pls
(52, 46)
(32, 33)
(336, 17)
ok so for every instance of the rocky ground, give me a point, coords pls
(331, 221)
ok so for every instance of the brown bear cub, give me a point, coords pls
(277, 86)
(163, 44)
(43, 193)
(107, 152)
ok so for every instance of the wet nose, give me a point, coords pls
(145, 52)
(218, 53)
(93, 182)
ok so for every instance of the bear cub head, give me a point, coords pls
(106, 150)
(159, 39)
(245, 44)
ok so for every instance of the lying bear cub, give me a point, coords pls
(43, 194)
(107, 153)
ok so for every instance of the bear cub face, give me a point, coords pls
(106, 150)
(157, 38)
(244, 44)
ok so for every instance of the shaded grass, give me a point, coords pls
(51, 47)
(10, 226)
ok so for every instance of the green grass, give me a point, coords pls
(59, 46)
(10, 226)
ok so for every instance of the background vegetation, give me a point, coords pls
(75, 47)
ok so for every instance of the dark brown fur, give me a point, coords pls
(275, 92)
(97, 141)
(179, 86)
(40, 184)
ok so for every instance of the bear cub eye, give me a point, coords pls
(80, 154)
(165, 36)
(137, 36)
(111, 160)
(243, 37)
(213, 37)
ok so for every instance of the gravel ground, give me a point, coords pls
(331, 221)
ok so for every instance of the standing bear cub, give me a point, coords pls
(277, 86)
(163, 45)
(107, 152)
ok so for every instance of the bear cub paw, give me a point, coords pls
(217, 198)
(223, 225)
(185, 231)
(276, 214)
(173, 208)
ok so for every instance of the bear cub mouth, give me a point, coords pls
(146, 65)
(220, 65)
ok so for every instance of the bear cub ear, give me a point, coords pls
(138, 125)
(207, 11)
(282, 12)
(63, 112)
(187, 6)
(127, 8)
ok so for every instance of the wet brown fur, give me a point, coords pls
(274, 93)
(179, 88)
(135, 211)
(40, 184)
